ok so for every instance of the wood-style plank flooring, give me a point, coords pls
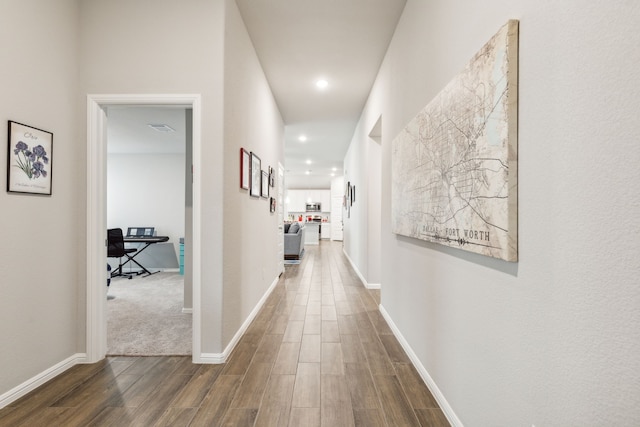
(318, 354)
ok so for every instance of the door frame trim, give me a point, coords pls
(96, 326)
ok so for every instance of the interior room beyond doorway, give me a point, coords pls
(148, 148)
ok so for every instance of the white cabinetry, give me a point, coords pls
(298, 199)
(325, 230)
(325, 200)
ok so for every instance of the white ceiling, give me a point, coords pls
(128, 129)
(301, 41)
(297, 43)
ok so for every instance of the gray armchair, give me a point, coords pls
(293, 241)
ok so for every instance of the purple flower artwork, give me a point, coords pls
(31, 162)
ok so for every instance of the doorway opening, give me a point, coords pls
(97, 105)
(149, 199)
(374, 208)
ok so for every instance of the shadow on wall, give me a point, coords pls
(510, 268)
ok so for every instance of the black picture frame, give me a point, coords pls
(272, 204)
(256, 176)
(29, 159)
(347, 193)
(264, 191)
(245, 167)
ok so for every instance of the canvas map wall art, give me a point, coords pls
(454, 166)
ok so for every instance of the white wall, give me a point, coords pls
(71, 49)
(252, 121)
(357, 238)
(208, 52)
(189, 35)
(40, 272)
(147, 190)
(552, 340)
(374, 209)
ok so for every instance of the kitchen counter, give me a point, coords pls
(312, 233)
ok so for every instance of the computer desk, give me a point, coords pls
(148, 241)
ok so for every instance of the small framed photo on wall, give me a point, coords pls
(265, 185)
(255, 175)
(272, 177)
(245, 167)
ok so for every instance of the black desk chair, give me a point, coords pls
(116, 249)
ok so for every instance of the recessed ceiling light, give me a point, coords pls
(308, 162)
(322, 84)
(333, 174)
(302, 138)
(307, 172)
(161, 127)
(334, 169)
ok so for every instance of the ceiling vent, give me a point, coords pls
(162, 128)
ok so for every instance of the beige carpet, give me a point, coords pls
(144, 317)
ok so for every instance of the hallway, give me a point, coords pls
(318, 354)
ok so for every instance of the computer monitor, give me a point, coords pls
(140, 231)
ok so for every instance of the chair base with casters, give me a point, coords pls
(118, 272)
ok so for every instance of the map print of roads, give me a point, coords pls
(454, 167)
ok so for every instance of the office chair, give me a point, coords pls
(116, 249)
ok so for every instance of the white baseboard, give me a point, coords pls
(212, 358)
(362, 279)
(35, 382)
(437, 394)
(217, 358)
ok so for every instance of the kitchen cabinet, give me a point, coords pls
(298, 199)
(325, 230)
(325, 199)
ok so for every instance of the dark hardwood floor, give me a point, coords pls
(319, 353)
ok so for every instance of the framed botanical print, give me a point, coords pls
(29, 160)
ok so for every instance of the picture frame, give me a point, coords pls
(29, 159)
(353, 194)
(264, 192)
(245, 167)
(347, 193)
(272, 204)
(256, 176)
(272, 177)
